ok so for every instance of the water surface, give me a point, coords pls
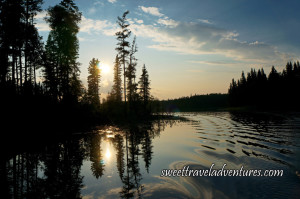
(112, 162)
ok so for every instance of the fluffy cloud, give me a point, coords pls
(151, 10)
(139, 21)
(190, 38)
(87, 25)
(92, 10)
(167, 22)
(90, 26)
(112, 1)
(214, 63)
(40, 22)
(203, 38)
(205, 21)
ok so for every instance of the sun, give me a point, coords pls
(105, 69)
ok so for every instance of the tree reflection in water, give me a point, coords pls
(55, 171)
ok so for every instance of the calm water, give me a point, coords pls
(127, 163)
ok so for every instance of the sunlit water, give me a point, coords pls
(127, 163)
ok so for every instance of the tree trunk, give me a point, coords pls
(21, 77)
(13, 68)
(124, 80)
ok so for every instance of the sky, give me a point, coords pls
(189, 47)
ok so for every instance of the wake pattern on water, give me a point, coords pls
(272, 138)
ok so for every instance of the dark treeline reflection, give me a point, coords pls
(55, 171)
(51, 173)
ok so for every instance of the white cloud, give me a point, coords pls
(42, 26)
(186, 38)
(98, 2)
(97, 26)
(214, 63)
(112, 1)
(87, 25)
(40, 22)
(81, 39)
(205, 39)
(151, 10)
(139, 21)
(168, 22)
(205, 21)
(92, 10)
(41, 15)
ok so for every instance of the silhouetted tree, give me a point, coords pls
(144, 86)
(63, 47)
(123, 44)
(214, 101)
(51, 67)
(94, 82)
(11, 41)
(32, 46)
(278, 90)
(116, 92)
(20, 43)
(130, 74)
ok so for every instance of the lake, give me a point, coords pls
(131, 162)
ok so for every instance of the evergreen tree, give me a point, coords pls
(94, 82)
(32, 46)
(144, 86)
(19, 42)
(130, 74)
(51, 67)
(278, 90)
(11, 40)
(123, 44)
(117, 86)
(63, 47)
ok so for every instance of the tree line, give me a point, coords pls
(23, 54)
(209, 102)
(278, 90)
(21, 48)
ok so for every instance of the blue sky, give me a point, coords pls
(190, 46)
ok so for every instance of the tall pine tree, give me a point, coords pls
(94, 82)
(144, 86)
(116, 93)
(123, 44)
(130, 73)
(63, 48)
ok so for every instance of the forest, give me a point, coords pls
(58, 98)
(256, 91)
(277, 91)
(208, 102)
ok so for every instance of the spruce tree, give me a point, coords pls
(63, 20)
(144, 86)
(130, 73)
(117, 86)
(123, 44)
(94, 82)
